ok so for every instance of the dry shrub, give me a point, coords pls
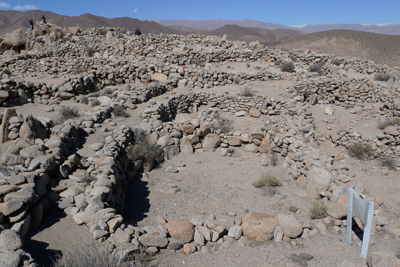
(273, 160)
(66, 113)
(318, 210)
(91, 255)
(383, 77)
(316, 67)
(287, 67)
(223, 124)
(119, 111)
(266, 180)
(142, 150)
(336, 62)
(389, 163)
(247, 91)
(391, 122)
(89, 52)
(94, 102)
(360, 151)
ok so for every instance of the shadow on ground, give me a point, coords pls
(43, 256)
(137, 200)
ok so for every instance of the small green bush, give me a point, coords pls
(247, 91)
(318, 210)
(266, 180)
(287, 67)
(383, 77)
(360, 151)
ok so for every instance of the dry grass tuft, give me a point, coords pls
(247, 91)
(266, 180)
(287, 67)
(360, 151)
(383, 77)
(318, 210)
(389, 163)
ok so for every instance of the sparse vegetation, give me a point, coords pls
(316, 67)
(287, 67)
(266, 180)
(336, 62)
(247, 91)
(142, 150)
(92, 255)
(67, 113)
(391, 122)
(389, 163)
(94, 102)
(89, 51)
(273, 159)
(318, 210)
(224, 124)
(360, 151)
(119, 111)
(383, 77)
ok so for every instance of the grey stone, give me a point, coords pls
(235, 231)
(10, 240)
(153, 241)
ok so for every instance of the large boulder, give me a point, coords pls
(290, 225)
(15, 39)
(259, 227)
(211, 142)
(32, 129)
(183, 230)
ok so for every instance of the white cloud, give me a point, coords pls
(298, 26)
(25, 7)
(4, 5)
(135, 10)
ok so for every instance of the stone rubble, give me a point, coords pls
(40, 167)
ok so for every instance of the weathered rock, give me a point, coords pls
(259, 227)
(32, 129)
(255, 113)
(186, 146)
(10, 259)
(120, 237)
(5, 124)
(393, 229)
(318, 180)
(9, 240)
(15, 39)
(183, 230)
(265, 146)
(382, 259)
(211, 142)
(175, 244)
(235, 231)
(149, 240)
(234, 140)
(290, 225)
(8, 208)
(336, 210)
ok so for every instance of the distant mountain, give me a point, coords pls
(393, 29)
(380, 48)
(212, 24)
(11, 20)
(268, 37)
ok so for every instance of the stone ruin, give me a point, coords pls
(40, 164)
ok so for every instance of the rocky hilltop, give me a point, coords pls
(86, 113)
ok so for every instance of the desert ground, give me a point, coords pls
(197, 184)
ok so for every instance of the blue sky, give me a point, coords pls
(285, 12)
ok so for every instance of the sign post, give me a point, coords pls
(363, 209)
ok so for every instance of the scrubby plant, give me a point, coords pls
(383, 77)
(94, 256)
(273, 160)
(336, 62)
(318, 210)
(360, 151)
(266, 179)
(223, 124)
(89, 52)
(119, 111)
(287, 67)
(66, 113)
(247, 91)
(391, 122)
(142, 150)
(316, 67)
(94, 102)
(83, 99)
(389, 163)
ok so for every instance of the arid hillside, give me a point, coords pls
(380, 48)
(267, 37)
(11, 20)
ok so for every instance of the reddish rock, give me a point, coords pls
(255, 113)
(183, 230)
(259, 227)
(265, 145)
